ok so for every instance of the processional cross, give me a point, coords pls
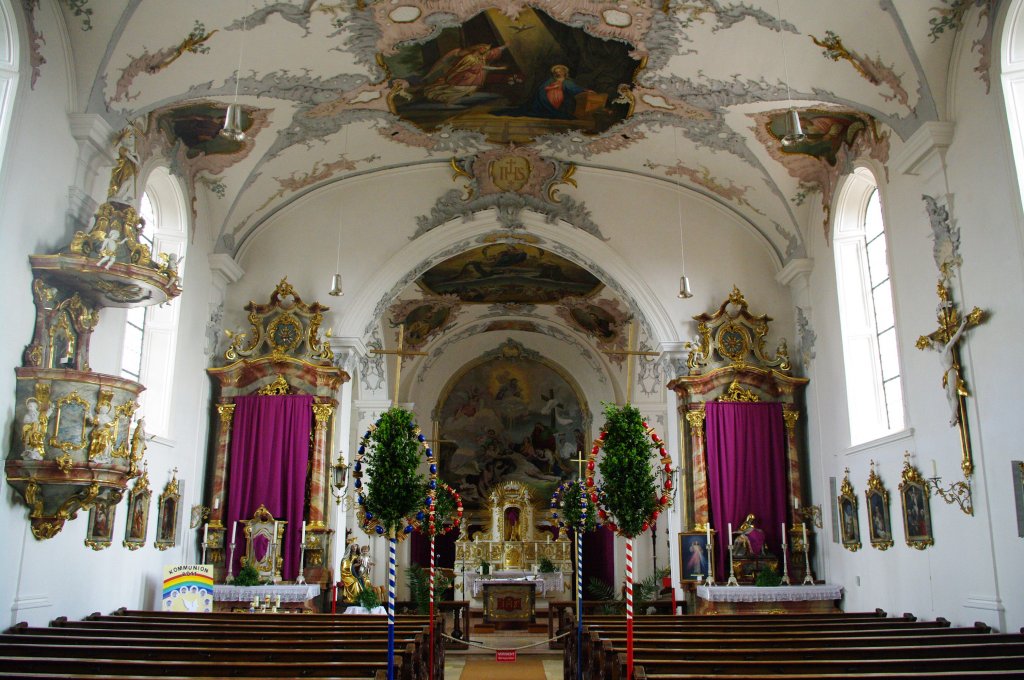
(946, 341)
(400, 354)
(629, 353)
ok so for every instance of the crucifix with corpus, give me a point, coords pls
(946, 341)
(630, 352)
(400, 354)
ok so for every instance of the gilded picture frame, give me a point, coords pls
(876, 503)
(917, 513)
(167, 515)
(694, 559)
(849, 521)
(137, 525)
(100, 529)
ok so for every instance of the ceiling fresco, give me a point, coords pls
(312, 73)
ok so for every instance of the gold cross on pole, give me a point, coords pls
(400, 355)
(946, 341)
(579, 465)
(629, 353)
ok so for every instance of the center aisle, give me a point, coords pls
(522, 669)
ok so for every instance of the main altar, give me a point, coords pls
(512, 548)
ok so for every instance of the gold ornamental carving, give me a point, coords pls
(790, 416)
(736, 336)
(322, 415)
(696, 420)
(736, 393)
(510, 173)
(226, 413)
(276, 388)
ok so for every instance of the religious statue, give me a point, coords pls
(101, 441)
(749, 540)
(513, 532)
(138, 446)
(33, 430)
(108, 248)
(124, 175)
(351, 584)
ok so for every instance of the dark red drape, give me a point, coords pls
(269, 454)
(746, 455)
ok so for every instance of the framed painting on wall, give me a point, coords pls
(101, 525)
(917, 514)
(849, 523)
(136, 527)
(879, 520)
(167, 515)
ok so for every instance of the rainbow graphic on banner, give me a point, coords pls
(188, 588)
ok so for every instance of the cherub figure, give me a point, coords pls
(33, 430)
(108, 248)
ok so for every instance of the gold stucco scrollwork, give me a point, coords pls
(735, 393)
(790, 416)
(226, 413)
(322, 414)
(276, 388)
(696, 420)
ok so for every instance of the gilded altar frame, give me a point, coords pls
(283, 352)
(729, 362)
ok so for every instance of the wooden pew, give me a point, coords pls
(323, 650)
(84, 665)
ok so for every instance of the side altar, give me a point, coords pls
(512, 548)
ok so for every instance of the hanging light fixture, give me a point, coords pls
(794, 131)
(336, 289)
(233, 117)
(684, 280)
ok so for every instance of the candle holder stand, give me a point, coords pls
(231, 565)
(808, 578)
(710, 582)
(301, 578)
(785, 565)
(732, 571)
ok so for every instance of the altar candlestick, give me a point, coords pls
(234, 530)
(709, 533)
(277, 601)
(206, 533)
(803, 527)
(302, 541)
(216, 503)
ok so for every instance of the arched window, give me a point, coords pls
(8, 71)
(874, 390)
(1012, 77)
(150, 335)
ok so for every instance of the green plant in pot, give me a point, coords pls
(546, 566)
(247, 576)
(367, 598)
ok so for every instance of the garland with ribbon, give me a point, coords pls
(392, 502)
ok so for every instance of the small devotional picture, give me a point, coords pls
(849, 523)
(137, 523)
(694, 559)
(879, 520)
(101, 526)
(917, 513)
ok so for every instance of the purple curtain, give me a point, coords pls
(746, 455)
(269, 454)
(598, 560)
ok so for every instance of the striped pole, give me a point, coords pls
(391, 608)
(629, 608)
(579, 579)
(431, 598)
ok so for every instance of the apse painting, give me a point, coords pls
(513, 79)
(422, 319)
(509, 273)
(827, 132)
(509, 420)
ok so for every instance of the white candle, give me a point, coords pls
(935, 469)
(803, 526)
(216, 503)
(302, 541)
(234, 529)
(277, 601)
(785, 562)
(730, 538)
(206, 532)
(796, 503)
(709, 535)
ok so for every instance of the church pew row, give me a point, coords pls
(604, 638)
(640, 673)
(354, 647)
(79, 666)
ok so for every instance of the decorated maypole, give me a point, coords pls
(444, 515)
(628, 500)
(390, 501)
(573, 506)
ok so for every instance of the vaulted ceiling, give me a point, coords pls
(333, 89)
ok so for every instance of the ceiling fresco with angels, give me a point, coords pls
(424, 81)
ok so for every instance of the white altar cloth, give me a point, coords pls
(287, 593)
(550, 582)
(776, 594)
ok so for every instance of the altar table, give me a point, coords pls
(547, 582)
(293, 597)
(510, 601)
(821, 598)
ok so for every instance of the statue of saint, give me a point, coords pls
(749, 540)
(101, 441)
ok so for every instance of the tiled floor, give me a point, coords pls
(455, 659)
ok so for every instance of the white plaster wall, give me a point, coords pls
(62, 576)
(970, 572)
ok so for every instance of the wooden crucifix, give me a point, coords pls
(946, 341)
(400, 354)
(629, 353)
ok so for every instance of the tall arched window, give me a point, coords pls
(874, 390)
(8, 71)
(150, 336)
